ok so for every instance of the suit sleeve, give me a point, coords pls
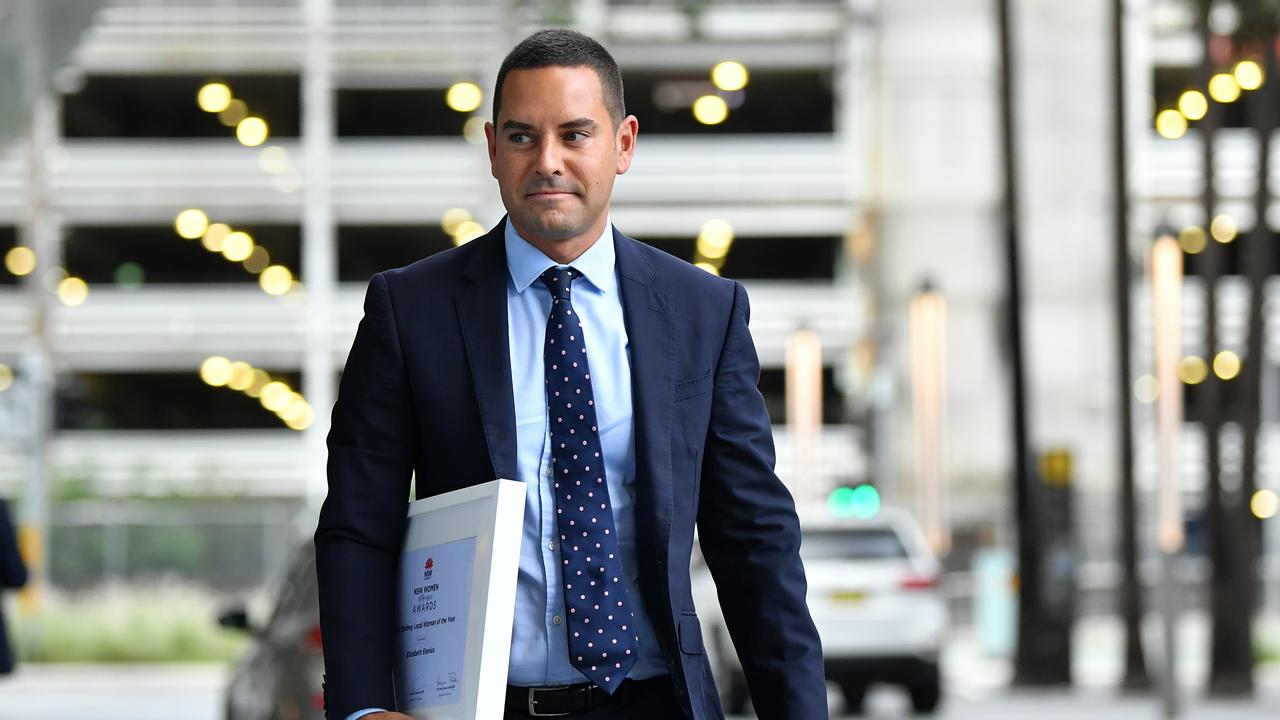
(372, 444)
(750, 537)
(13, 573)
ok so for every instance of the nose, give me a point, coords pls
(549, 161)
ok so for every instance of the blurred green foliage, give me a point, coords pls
(153, 622)
(1266, 650)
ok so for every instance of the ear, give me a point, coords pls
(491, 138)
(625, 141)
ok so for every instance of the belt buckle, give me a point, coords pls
(533, 711)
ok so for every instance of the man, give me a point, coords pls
(13, 574)
(548, 347)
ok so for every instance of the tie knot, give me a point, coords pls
(559, 280)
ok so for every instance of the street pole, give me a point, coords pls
(804, 414)
(1135, 667)
(1230, 644)
(1030, 664)
(1166, 285)
(1259, 260)
(928, 321)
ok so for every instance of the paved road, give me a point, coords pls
(1087, 704)
(192, 693)
(112, 692)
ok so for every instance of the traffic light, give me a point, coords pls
(862, 501)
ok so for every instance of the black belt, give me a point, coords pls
(570, 699)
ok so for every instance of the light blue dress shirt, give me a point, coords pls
(539, 640)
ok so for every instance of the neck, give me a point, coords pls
(565, 250)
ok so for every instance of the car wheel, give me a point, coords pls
(855, 695)
(926, 689)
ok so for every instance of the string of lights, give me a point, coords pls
(235, 246)
(1224, 87)
(274, 395)
(20, 260)
(714, 241)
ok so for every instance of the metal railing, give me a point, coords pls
(231, 543)
(268, 465)
(176, 327)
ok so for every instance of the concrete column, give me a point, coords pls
(319, 249)
(39, 229)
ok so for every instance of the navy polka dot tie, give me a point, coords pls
(602, 637)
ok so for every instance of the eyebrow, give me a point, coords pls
(582, 123)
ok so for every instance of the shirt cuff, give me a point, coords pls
(367, 711)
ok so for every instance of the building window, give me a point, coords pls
(177, 400)
(364, 250)
(774, 102)
(767, 258)
(773, 386)
(164, 106)
(1170, 82)
(8, 239)
(142, 255)
(1231, 257)
(367, 112)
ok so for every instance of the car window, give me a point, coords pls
(297, 589)
(852, 544)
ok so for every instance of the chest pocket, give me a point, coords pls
(690, 633)
(694, 387)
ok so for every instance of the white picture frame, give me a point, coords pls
(455, 610)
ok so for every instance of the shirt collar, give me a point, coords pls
(526, 263)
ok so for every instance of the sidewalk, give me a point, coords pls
(977, 685)
(976, 688)
(1098, 655)
(39, 691)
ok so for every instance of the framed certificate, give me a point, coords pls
(455, 600)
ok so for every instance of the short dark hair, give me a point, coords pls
(559, 47)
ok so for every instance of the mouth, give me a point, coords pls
(550, 195)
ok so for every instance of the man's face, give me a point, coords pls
(555, 152)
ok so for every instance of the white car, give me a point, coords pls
(874, 596)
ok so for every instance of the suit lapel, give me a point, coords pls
(646, 311)
(482, 315)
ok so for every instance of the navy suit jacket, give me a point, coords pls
(427, 389)
(13, 574)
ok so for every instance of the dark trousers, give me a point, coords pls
(654, 700)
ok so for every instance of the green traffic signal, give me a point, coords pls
(860, 502)
(840, 502)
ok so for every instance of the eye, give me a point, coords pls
(575, 136)
(519, 138)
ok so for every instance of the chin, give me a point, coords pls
(554, 225)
